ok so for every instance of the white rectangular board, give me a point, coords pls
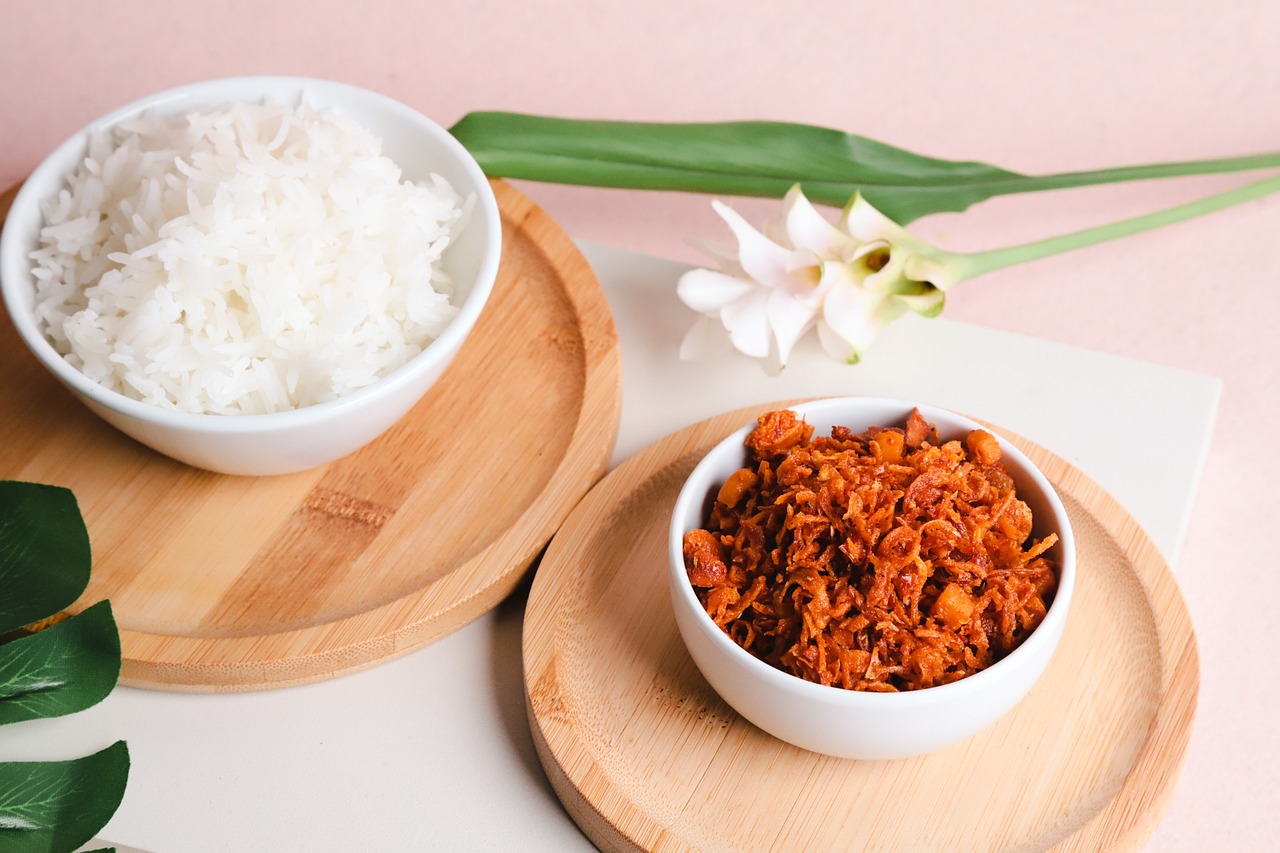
(432, 751)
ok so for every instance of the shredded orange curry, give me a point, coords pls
(878, 561)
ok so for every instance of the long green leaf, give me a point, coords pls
(60, 670)
(766, 159)
(56, 806)
(44, 552)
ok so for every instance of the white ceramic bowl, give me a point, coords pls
(303, 438)
(848, 723)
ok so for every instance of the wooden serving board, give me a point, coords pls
(645, 756)
(224, 583)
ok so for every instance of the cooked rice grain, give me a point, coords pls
(243, 260)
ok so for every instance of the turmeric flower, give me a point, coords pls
(851, 279)
(848, 280)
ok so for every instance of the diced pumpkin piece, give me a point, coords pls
(888, 446)
(740, 482)
(954, 607)
(983, 447)
(702, 559)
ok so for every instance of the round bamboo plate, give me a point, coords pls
(645, 756)
(224, 583)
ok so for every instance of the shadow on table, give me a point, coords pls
(507, 671)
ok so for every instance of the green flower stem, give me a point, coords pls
(1067, 180)
(972, 265)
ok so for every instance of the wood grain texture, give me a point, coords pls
(224, 583)
(645, 756)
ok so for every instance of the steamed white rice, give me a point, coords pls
(243, 260)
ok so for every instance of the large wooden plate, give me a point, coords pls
(238, 583)
(645, 755)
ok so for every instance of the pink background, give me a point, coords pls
(1035, 87)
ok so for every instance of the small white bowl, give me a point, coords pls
(302, 438)
(850, 723)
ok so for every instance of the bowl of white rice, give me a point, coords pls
(254, 275)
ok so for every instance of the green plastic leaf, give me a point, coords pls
(56, 806)
(60, 670)
(766, 159)
(44, 552)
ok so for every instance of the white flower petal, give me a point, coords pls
(808, 229)
(761, 258)
(836, 346)
(849, 344)
(865, 224)
(790, 319)
(707, 291)
(723, 255)
(776, 232)
(925, 304)
(854, 314)
(706, 339)
(747, 320)
(942, 273)
(893, 277)
(804, 259)
(771, 364)
(804, 278)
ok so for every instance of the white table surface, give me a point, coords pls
(432, 751)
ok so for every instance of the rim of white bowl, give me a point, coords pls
(1047, 632)
(16, 281)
